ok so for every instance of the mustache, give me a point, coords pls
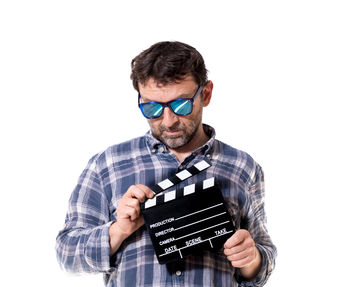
(173, 128)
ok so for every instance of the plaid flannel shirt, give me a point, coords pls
(83, 244)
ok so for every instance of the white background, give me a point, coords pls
(281, 73)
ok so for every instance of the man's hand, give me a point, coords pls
(129, 217)
(241, 251)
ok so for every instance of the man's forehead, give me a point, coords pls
(152, 89)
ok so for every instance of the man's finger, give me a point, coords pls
(140, 192)
(128, 213)
(134, 203)
(147, 191)
(242, 262)
(235, 249)
(235, 239)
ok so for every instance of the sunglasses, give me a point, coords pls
(180, 107)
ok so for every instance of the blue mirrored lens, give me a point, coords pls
(151, 110)
(181, 107)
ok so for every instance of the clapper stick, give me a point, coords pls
(189, 220)
(180, 176)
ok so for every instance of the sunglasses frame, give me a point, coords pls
(164, 105)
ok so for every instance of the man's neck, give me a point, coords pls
(199, 139)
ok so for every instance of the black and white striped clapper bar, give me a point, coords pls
(188, 220)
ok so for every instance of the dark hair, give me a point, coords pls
(168, 62)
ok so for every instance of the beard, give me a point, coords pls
(184, 136)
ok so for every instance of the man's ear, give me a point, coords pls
(207, 91)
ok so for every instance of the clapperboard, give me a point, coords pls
(188, 220)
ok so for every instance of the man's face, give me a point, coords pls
(173, 130)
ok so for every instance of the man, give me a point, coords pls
(104, 229)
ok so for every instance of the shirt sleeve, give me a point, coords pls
(83, 244)
(256, 225)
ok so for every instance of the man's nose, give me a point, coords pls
(169, 118)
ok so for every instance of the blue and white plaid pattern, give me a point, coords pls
(83, 244)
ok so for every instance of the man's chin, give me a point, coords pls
(174, 141)
(173, 144)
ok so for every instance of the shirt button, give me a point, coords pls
(161, 149)
(153, 151)
(208, 155)
(178, 273)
